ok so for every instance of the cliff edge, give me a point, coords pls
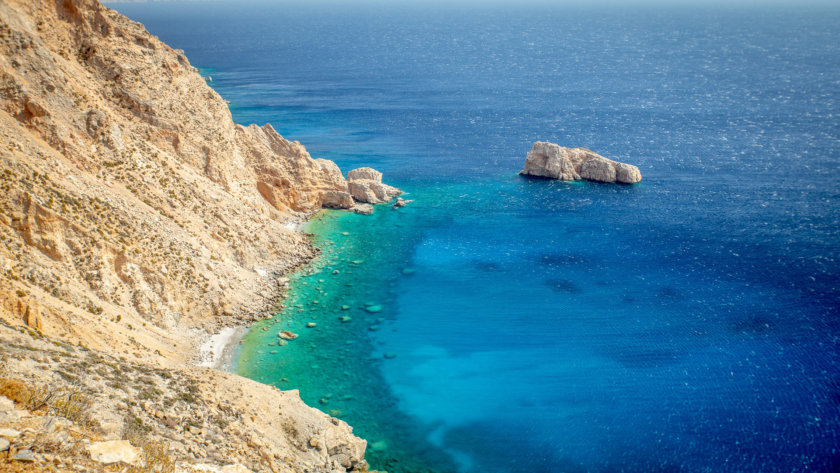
(133, 208)
(135, 217)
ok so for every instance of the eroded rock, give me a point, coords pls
(365, 185)
(114, 451)
(552, 161)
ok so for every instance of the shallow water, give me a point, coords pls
(688, 323)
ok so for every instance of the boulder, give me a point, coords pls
(287, 335)
(114, 451)
(336, 200)
(364, 209)
(6, 404)
(364, 174)
(371, 192)
(25, 456)
(400, 202)
(552, 161)
(365, 185)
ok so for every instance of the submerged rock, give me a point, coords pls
(573, 164)
(364, 209)
(287, 335)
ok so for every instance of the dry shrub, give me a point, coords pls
(70, 402)
(156, 459)
(32, 398)
(74, 405)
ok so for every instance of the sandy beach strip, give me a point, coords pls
(218, 350)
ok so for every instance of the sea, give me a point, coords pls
(500, 324)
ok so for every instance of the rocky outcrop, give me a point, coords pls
(132, 205)
(365, 185)
(114, 451)
(79, 410)
(135, 215)
(295, 183)
(573, 164)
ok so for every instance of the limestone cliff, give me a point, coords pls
(134, 217)
(69, 399)
(133, 208)
(573, 164)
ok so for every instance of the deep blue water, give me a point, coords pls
(688, 323)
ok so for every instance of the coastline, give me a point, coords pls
(218, 349)
(337, 305)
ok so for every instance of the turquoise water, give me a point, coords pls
(500, 324)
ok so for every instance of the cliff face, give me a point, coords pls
(134, 215)
(133, 208)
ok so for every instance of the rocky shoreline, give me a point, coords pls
(139, 224)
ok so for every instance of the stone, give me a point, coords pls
(365, 173)
(363, 209)
(311, 325)
(400, 202)
(235, 468)
(9, 433)
(345, 307)
(287, 335)
(379, 446)
(25, 455)
(390, 356)
(336, 200)
(113, 451)
(4, 445)
(365, 186)
(373, 309)
(371, 192)
(345, 318)
(552, 161)
(6, 404)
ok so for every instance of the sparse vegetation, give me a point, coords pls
(69, 402)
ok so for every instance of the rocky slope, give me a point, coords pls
(573, 164)
(133, 208)
(136, 217)
(74, 408)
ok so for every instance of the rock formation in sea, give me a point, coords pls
(552, 161)
(135, 216)
(365, 185)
